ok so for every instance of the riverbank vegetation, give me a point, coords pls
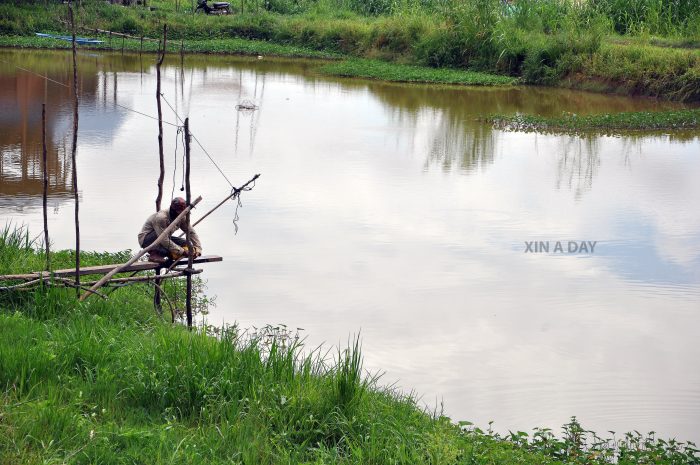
(608, 123)
(374, 69)
(232, 46)
(110, 382)
(640, 47)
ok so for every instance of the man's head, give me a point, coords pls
(177, 206)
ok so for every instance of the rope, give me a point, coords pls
(179, 135)
(236, 194)
(172, 193)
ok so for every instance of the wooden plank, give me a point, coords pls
(102, 269)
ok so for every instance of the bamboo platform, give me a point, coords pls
(104, 269)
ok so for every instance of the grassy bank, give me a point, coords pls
(609, 124)
(373, 69)
(232, 46)
(108, 381)
(650, 50)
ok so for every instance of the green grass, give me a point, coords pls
(374, 69)
(109, 382)
(617, 123)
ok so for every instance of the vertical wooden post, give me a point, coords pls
(161, 176)
(73, 152)
(157, 304)
(46, 185)
(122, 45)
(141, 49)
(188, 198)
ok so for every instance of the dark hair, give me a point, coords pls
(177, 206)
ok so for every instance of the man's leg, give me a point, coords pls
(159, 249)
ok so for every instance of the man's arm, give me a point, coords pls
(194, 238)
(160, 223)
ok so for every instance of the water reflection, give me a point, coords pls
(459, 141)
(454, 147)
(27, 80)
(21, 96)
(579, 161)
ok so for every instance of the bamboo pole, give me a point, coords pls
(73, 154)
(104, 31)
(45, 179)
(190, 251)
(139, 279)
(173, 225)
(161, 176)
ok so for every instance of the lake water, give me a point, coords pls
(389, 210)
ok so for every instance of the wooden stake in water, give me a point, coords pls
(161, 176)
(190, 251)
(73, 152)
(45, 184)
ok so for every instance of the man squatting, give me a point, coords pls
(171, 247)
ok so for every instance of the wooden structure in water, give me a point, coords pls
(172, 267)
(128, 274)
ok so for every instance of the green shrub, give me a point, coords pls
(8, 27)
(125, 25)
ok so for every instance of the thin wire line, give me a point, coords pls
(199, 143)
(67, 86)
(36, 74)
(146, 115)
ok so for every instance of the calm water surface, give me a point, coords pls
(389, 210)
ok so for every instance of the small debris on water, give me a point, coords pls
(246, 105)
